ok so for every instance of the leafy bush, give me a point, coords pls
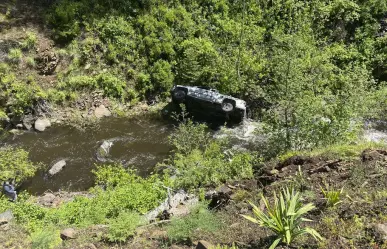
(15, 164)
(30, 62)
(15, 55)
(161, 76)
(47, 238)
(200, 219)
(189, 136)
(122, 227)
(284, 217)
(111, 85)
(30, 41)
(210, 167)
(121, 191)
(200, 160)
(64, 18)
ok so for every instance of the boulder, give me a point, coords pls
(68, 233)
(202, 244)
(57, 167)
(380, 231)
(28, 121)
(102, 111)
(6, 217)
(47, 199)
(41, 124)
(103, 151)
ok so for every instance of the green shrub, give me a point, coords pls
(162, 76)
(111, 85)
(15, 55)
(64, 20)
(15, 164)
(79, 82)
(210, 167)
(200, 160)
(200, 219)
(124, 226)
(47, 238)
(127, 191)
(30, 62)
(332, 196)
(189, 136)
(30, 41)
(284, 217)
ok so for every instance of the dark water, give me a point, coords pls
(136, 143)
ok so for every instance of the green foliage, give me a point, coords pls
(189, 136)
(198, 62)
(199, 160)
(30, 62)
(15, 164)
(30, 41)
(200, 219)
(284, 217)
(123, 191)
(124, 226)
(15, 55)
(47, 238)
(333, 197)
(161, 76)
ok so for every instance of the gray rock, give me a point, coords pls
(102, 111)
(57, 167)
(178, 204)
(6, 217)
(47, 199)
(28, 121)
(381, 231)
(103, 151)
(202, 244)
(68, 233)
(19, 126)
(41, 124)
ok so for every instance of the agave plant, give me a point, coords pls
(284, 218)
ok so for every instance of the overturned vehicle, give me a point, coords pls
(209, 103)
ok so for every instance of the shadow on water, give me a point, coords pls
(136, 143)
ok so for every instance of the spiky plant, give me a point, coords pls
(332, 196)
(284, 218)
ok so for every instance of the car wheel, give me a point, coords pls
(179, 95)
(228, 105)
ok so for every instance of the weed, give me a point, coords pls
(284, 217)
(122, 227)
(332, 196)
(30, 41)
(15, 55)
(30, 62)
(200, 219)
(47, 238)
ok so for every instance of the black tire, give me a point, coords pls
(228, 105)
(179, 95)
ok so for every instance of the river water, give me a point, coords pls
(137, 143)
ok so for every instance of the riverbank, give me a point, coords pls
(356, 217)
